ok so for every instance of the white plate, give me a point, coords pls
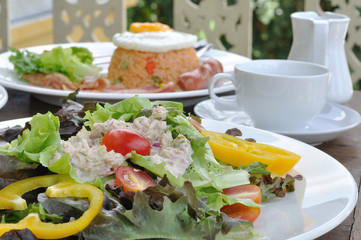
(102, 52)
(325, 197)
(331, 123)
(3, 97)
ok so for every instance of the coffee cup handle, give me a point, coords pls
(220, 102)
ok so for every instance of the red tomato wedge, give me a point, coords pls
(239, 210)
(245, 191)
(132, 179)
(124, 141)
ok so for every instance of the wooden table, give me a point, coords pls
(346, 149)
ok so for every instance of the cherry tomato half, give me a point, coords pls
(124, 141)
(132, 179)
(245, 191)
(239, 210)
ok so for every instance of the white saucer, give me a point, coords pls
(3, 96)
(332, 122)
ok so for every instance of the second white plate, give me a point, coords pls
(9, 79)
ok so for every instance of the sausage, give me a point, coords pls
(94, 83)
(200, 77)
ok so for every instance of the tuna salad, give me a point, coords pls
(91, 160)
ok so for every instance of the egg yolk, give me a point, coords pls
(138, 27)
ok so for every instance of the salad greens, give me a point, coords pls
(10, 216)
(204, 172)
(182, 216)
(175, 213)
(38, 144)
(184, 207)
(271, 187)
(74, 62)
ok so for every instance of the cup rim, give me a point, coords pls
(242, 67)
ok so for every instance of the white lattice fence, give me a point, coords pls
(88, 20)
(219, 21)
(4, 26)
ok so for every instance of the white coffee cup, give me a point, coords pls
(277, 95)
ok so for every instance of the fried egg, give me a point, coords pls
(137, 27)
(155, 41)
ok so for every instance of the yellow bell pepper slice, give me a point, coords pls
(236, 151)
(57, 186)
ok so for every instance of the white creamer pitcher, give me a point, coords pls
(321, 40)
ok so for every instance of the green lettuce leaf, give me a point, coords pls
(63, 61)
(216, 200)
(205, 170)
(84, 55)
(14, 216)
(25, 62)
(207, 175)
(75, 63)
(157, 169)
(37, 144)
(126, 109)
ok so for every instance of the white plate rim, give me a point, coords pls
(281, 141)
(3, 97)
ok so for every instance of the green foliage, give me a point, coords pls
(152, 11)
(272, 30)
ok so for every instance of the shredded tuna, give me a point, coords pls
(91, 160)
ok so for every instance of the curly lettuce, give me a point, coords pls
(74, 62)
(37, 144)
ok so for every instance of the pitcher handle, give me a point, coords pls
(320, 41)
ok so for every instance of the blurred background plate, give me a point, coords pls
(102, 52)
